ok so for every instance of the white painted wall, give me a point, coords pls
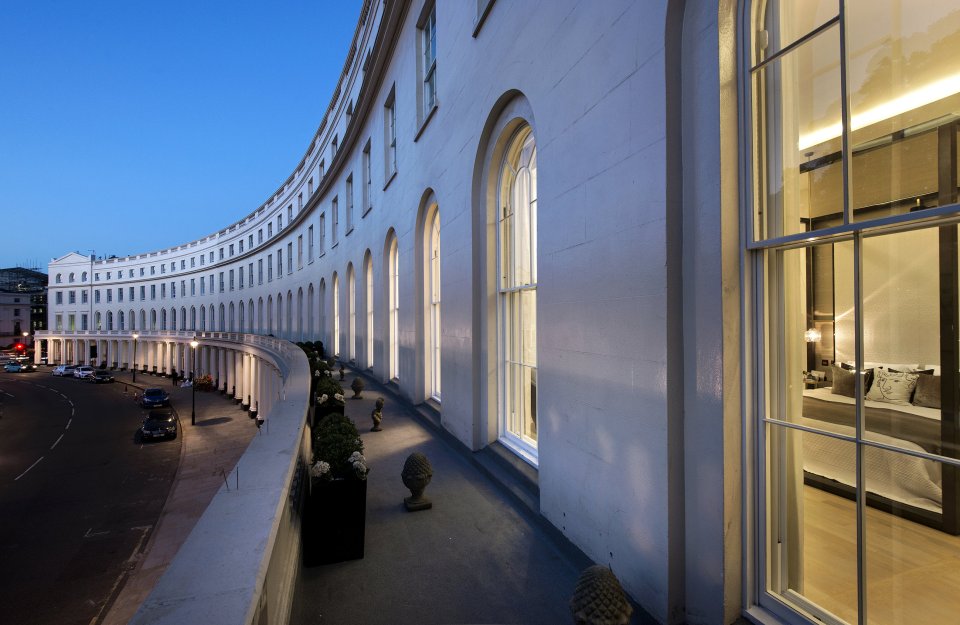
(590, 78)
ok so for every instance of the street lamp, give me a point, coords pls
(25, 335)
(135, 337)
(193, 383)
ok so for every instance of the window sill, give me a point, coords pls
(482, 18)
(389, 179)
(426, 120)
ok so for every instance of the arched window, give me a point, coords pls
(83, 277)
(351, 314)
(517, 292)
(393, 309)
(143, 320)
(163, 319)
(221, 319)
(193, 318)
(203, 318)
(110, 320)
(96, 321)
(183, 318)
(260, 318)
(310, 308)
(270, 314)
(289, 320)
(368, 303)
(153, 319)
(336, 316)
(322, 312)
(231, 327)
(299, 335)
(280, 329)
(432, 285)
(173, 319)
(72, 278)
(59, 278)
(120, 320)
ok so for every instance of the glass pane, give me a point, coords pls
(812, 522)
(782, 22)
(912, 574)
(903, 82)
(810, 314)
(901, 338)
(796, 146)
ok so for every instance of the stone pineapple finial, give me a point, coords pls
(416, 474)
(599, 599)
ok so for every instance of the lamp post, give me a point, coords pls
(193, 383)
(135, 337)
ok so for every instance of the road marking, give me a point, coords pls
(55, 442)
(28, 469)
(90, 533)
(69, 421)
(7, 394)
(72, 412)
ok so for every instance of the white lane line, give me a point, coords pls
(72, 412)
(55, 442)
(28, 469)
(69, 421)
(10, 395)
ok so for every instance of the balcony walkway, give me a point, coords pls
(478, 556)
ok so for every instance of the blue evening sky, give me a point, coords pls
(129, 126)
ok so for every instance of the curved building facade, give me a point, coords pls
(626, 246)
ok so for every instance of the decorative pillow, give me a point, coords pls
(849, 367)
(843, 382)
(927, 393)
(892, 387)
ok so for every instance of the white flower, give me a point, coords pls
(356, 456)
(338, 397)
(319, 468)
(323, 399)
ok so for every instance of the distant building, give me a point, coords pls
(23, 303)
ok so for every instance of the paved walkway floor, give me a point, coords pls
(475, 557)
(209, 454)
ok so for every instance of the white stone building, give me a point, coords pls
(612, 239)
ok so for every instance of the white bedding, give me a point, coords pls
(900, 477)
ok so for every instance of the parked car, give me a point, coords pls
(154, 398)
(64, 370)
(101, 376)
(159, 424)
(12, 367)
(83, 372)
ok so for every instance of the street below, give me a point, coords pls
(79, 495)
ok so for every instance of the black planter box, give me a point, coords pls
(334, 520)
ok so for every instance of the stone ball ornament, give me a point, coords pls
(598, 599)
(416, 474)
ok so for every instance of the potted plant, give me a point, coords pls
(336, 505)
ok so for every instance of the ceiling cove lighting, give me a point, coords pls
(909, 101)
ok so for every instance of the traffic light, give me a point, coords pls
(20, 347)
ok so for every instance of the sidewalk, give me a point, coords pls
(209, 451)
(476, 557)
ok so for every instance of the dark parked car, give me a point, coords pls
(101, 376)
(154, 398)
(159, 424)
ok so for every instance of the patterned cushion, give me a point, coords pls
(892, 387)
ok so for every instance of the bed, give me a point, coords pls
(899, 483)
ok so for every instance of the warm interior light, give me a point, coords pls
(909, 101)
(812, 335)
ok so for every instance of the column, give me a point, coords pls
(228, 380)
(73, 359)
(242, 379)
(254, 383)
